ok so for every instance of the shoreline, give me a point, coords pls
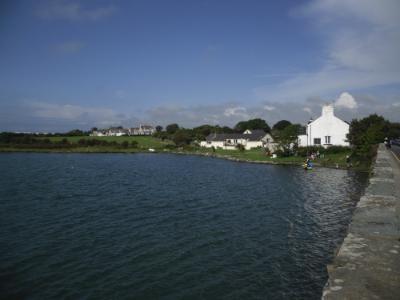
(195, 153)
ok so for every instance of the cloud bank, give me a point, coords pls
(50, 117)
(362, 42)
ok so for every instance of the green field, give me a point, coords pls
(144, 142)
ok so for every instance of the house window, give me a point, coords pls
(317, 141)
(327, 140)
(209, 142)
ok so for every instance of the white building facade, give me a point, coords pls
(327, 130)
(249, 139)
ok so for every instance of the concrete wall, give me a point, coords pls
(367, 265)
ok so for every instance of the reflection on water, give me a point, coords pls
(148, 226)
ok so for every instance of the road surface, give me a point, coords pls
(396, 150)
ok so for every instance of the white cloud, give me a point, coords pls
(346, 100)
(236, 111)
(74, 113)
(362, 42)
(269, 107)
(72, 11)
(307, 110)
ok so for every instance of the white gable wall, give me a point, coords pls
(329, 129)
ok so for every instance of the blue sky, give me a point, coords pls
(78, 64)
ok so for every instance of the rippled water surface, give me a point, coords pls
(151, 226)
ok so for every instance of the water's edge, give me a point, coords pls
(213, 155)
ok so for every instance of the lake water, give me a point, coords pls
(159, 226)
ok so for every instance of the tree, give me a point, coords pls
(93, 129)
(159, 128)
(172, 128)
(287, 138)
(227, 129)
(75, 132)
(358, 129)
(240, 147)
(252, 124)
(394, 131)
(366, 132)
(281, 125)
(182, 137)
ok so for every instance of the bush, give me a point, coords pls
(336, 150)
(170, 147)
(240, 147)
(304, 151)
(189, 148)
(125, 144)
(82, 142)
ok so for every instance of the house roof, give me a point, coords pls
(255, 135)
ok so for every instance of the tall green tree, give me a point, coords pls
(172, 128)
(282, 124)
(367, 132)
(287, 138)
(252, 124)
(182, 137)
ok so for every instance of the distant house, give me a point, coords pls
(119, 131)
(98, 133)
(116, 131)
(249, 139)
(142, 130)
(325, 131)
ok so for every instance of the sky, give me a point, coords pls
(80, 64)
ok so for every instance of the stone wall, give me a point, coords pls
(367, 265)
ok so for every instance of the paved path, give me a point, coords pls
(367, 265)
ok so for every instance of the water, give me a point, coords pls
(151, 226)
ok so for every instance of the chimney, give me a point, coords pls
(327, 110)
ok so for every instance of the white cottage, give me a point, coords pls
(249, 139)
(325, 131)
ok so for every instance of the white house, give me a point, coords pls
(142, 130)
(98, 133)
(327, 130)
(110, 132)
(249, 139)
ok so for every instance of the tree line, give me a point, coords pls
(184, 136)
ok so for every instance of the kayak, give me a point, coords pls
(307, 167)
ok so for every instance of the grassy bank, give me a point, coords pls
(144, 142)
(140, 144)
(337, 160)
